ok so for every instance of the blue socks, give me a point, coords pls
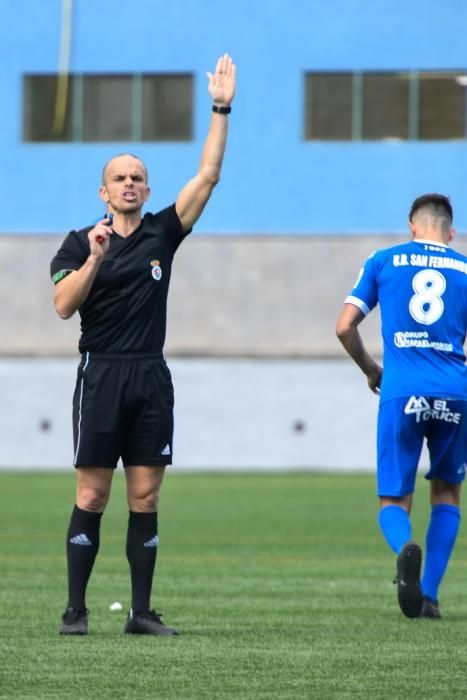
(395, 525)
(440, 538)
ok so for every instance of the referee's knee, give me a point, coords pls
(92, 499)
(143, 503)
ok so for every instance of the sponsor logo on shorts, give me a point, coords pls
(419, 406)
(156, 270)
(166, 450)
(462, 469)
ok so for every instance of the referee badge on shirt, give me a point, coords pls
(156, 270)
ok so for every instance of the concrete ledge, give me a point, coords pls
(265, 296)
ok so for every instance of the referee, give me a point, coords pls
(116, 274)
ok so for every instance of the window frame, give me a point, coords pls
(415, 106)
(76, 103)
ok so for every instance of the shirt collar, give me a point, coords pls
(425, 240)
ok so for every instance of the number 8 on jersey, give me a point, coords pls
(426, 305)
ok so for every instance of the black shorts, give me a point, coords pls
(123, 407)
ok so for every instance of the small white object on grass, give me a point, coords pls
(115, 606)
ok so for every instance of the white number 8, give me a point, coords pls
(426, 305)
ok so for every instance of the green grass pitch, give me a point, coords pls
(280, 584)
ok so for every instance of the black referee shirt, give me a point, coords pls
(126, 309)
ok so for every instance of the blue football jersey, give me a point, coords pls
(421, 287)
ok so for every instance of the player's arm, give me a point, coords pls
(349, 335)
(195, 195)
(72, 291)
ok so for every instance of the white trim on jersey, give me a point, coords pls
(425, 240)
(80, 407)
(357, 302)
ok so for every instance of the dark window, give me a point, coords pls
(328, 112)
(385, 106)
(167, 107)
(442, 106)
(107, 108)
(113, 107)
(47, 112)
(375, 106)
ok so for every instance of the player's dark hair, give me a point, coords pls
(437, 205)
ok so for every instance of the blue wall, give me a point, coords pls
(273, 181)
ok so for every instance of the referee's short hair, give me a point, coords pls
(119, 155)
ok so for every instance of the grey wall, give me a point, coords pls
(231, 296)
(268, 296)
(236, 414)
(229, 414)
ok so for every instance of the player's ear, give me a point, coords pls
(103, 194)
(411, 228)
(452, 234)
(148, 194)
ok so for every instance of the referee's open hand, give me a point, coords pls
(222, 83)
(99, 237)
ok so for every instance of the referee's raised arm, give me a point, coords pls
(194, 196)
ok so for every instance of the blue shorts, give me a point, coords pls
(403, 424)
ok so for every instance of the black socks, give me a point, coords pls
(141, 552)
(82, 545)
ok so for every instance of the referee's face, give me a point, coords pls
(125, 186)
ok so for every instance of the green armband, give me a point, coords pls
(60, 275)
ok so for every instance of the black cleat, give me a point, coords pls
(149, 622)
(74, 621)
(430, 609)
(409, 590)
